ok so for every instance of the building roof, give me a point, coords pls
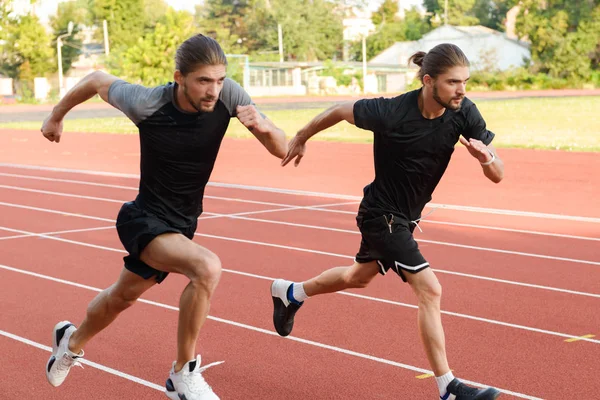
(466, 37)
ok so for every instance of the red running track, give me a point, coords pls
(515, 288)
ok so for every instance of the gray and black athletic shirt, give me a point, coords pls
(411, 153)
(178, 148)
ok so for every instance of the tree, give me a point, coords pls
(225, 21)
(386, 12)
(492, 13)
(125, 18)
(412, 27)
(150, 61)
(564, 40)
(312, 29)
(67, 12)
(27, 52)
(460, 12)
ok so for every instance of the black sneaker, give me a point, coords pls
(283, 309)
(464, 392)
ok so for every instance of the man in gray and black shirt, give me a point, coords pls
(181, 126)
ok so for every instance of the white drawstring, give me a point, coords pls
(416, 221)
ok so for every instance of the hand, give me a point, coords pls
(296, 149)
(477, 149)
(250, 118)
(52, 129)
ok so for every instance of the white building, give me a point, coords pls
(484, 47)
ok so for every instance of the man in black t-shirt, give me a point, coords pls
(414, 138)
(181, 126)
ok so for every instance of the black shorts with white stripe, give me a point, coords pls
(388, 239)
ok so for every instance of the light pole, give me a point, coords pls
(280, 40)
(364, 62)
(61, 89)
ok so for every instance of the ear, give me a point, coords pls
(428, 80)
(178, 76)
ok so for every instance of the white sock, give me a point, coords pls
(443, 382)
(298, 292)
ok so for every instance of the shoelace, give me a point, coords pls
(66, 362)
(196, 382)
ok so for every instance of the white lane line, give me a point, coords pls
(318, 194)
(373, 298)
(270, 333)
(92, 364)
(26, 233)
(56, 232)
(288, 207)
(489, 249)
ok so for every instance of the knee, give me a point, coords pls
(431, 293)
(206, 271)
(120, 300)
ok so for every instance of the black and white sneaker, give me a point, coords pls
(456, 390)
(283, 309)
(62, 359)
(189, 384)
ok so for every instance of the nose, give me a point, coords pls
(213, 90)
(462, 88)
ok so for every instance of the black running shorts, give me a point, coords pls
(136, 228)
(388, 239)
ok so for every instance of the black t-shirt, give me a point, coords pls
(178, 148)
(411, 152)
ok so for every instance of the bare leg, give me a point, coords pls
(429, 292)
(107, 305)
(172, 252)
(340, 278)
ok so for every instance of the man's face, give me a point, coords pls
(449, 89)
(201, 87)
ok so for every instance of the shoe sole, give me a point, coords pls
(488, 394)
(57, 334)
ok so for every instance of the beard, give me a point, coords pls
(198, 104)
(444, 104)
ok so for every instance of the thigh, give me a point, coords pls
(422, 281)
(173, 252)
(364, 272)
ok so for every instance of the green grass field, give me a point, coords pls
(570, 123)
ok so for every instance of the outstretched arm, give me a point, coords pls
(492, 165)
(95, 83)
(328, 118)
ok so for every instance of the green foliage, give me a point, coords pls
(340, 74)
(27, 52)
(412, 27)
(225, 21)
(311, 28)
(386, 12)
(125, 18)
(150, 61)
(565, 37)
(492, 13)
(67, 12)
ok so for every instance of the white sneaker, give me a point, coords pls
(189, 384)
(62, 359)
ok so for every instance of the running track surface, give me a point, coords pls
(519, 263)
